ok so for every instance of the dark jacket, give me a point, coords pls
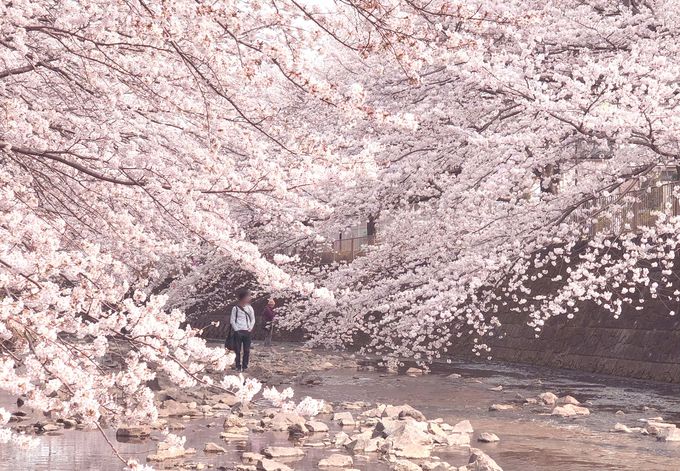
(268, 314)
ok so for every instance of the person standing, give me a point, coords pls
(268, 315)
(242, 322)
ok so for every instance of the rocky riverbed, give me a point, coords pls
(481, 417)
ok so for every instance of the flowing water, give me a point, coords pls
(531, 440)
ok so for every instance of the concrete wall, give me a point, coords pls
(640, 344)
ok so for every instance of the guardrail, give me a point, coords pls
(616, 214)
(348, 249)
(630, 211)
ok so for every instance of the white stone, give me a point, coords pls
(480, 461)
(136, 431)
(501, 407)
(283, 452)
(336, 460)
(463, 427)
(669, 435)
(405, 465)
(270, 465)
(211, 447)
(458, 439)
(344, 418)
(341, 439)
(316, 426)
(568, 400)
(250, 457)
(409, 441)
(487, 437)
(414, 372)
(570, 410)
(281, 421)
(548, 398)
(656, 428)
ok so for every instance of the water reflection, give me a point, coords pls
(530, 441)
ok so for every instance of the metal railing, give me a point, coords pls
(629, 211)
(348, 249)
(615, 214)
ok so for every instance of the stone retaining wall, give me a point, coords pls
(640, 344)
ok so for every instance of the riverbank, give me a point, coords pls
(531, 439)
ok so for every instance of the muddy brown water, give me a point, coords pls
(531, 440)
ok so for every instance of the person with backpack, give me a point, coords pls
(242, 321)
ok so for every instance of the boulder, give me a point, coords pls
(501, 407)
(486, 437)
(166, 452)
(547, 398)
(437, 466)
(409, 441)
(315, 426)
(364, 441)
(568, 400)
(297, 430)
(405, 465)
(336, 460)
(48, 427)
(282, 420)
(377, 412)
(283, 452)
(251, 458)
(233, 420)
(454, 376)
(172, 408)
(233, 436)
(622, 428)
(458, 439)
(669, 435)
(344, 418)
(463, 427)
(266, 464)
(569, 410)
(439, 435)
(402, 412)
(341, 439)
(133, 431)
(211, 447)
(225, 398)
(414, 372)
(480, 461)
(656, 428)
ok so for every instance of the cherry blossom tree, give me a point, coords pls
(533, 125)
(137, 139)
(147, 144)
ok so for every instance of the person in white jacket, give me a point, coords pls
(242, 322)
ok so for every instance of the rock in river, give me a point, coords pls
(211, 447)
(480, 461)
(336, 460)
(283, 452)
(570, 410)
(487, 437)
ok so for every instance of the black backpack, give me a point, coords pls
(230, 341)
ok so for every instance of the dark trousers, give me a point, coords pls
(242, 338)
(268, 333)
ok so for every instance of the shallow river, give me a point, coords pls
(531, 440)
